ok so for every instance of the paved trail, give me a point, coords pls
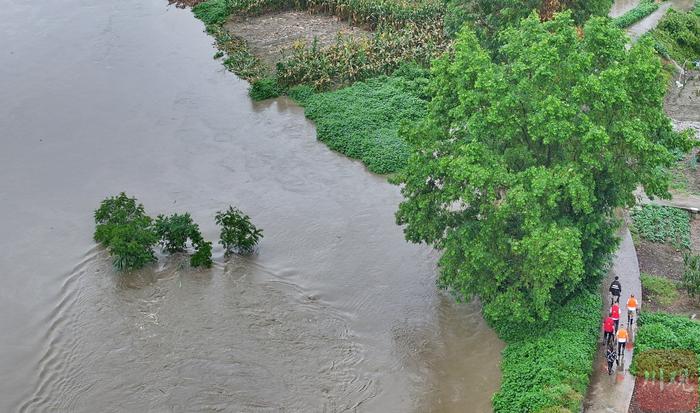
(613, 393)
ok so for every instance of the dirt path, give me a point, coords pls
(613, 393)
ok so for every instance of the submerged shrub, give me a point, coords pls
(124, 228)
(174, 231)
(266, 88)
(238, 234)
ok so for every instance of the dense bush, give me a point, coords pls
(175, 230)
(265, 88)
(659, 289)
(691, 274)
(642, 10)
(664, 364)
(679, 34)
(663, 224)
(124, 228)
(238, 234)
(547, 366)
(489, 17)
(362, 121)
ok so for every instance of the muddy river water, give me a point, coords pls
(336, 312)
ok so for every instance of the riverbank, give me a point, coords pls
(313, 68)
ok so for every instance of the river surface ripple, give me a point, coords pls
(336, 312)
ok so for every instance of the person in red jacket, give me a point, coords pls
(608, 331)
(615, 315)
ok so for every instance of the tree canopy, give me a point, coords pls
(517, 168)
(488, 17)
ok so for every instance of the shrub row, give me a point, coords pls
(547, 367)
(362, 121)
(130, 235)
(661, 331)
(643, 9)
(663, 224)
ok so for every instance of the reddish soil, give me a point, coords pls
(657, 397)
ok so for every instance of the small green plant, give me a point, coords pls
(175, 230)
(124, 228)
(238, 234)
(660, 289)
(218, 55)
(266, 88)
(691, 274)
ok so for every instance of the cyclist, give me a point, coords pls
(615, 290)
(631, 309)
(622, 338)
(611, 357)
(608, 331)
(615, 315)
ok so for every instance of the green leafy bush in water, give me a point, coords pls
(175, 230)
(660, 289)
(265, 88)
(546, 367)
(213, 12)
(679, 35)
(238, 234)
(362, 120)
(124, 228)
(643, 9)
(663, 224)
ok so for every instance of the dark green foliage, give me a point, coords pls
(643, 9)
(127, 232)
(213, 12)
(489, 17)
(175, 230)
(515, 172)
(691, 274)
(547, 366)
(238, 234)
(659, 289)
(362, 121)
(679, 34)
(202, 254)
(663, 224)
(265, 88)
(666, 363)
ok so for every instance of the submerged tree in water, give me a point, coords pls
(519, 165)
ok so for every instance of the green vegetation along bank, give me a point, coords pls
(506, 157)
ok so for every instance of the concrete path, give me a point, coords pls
(688, 202)
(613, 393)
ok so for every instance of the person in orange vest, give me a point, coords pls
(631, 310)
(615, 315)
(622, 338)
(608, 331)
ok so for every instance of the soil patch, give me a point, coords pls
(657, 397)
(683, 97)
(272, 36)
(659, 259)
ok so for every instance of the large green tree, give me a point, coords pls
(519, 165)
(489, 17)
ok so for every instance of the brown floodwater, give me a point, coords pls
(335, 313)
